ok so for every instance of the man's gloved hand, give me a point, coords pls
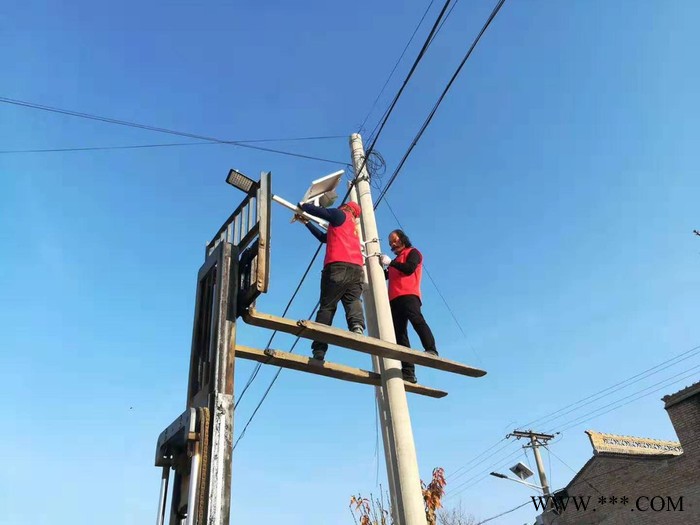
(385, 260)
(301, 218)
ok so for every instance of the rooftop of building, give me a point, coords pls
(631, 445)
(689, 391)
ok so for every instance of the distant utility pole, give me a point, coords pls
(408, 496)
(536, 440)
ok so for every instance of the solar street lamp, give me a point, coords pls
(522, 472)
(321, 192)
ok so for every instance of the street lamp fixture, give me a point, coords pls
(522, 472)
(236, 179)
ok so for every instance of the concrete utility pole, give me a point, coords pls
(382, 405)
(536, 440)
(408, 494)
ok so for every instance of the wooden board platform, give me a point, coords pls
(368, 345)
(327, 369)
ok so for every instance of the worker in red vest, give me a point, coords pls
(404, 274)
(342, 276)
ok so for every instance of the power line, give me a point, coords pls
(166, 145)
(444, 20)
(437, 289)
(454, 474)
(367, 155)
(374, 104)
(588, 403)
(586, 479)
(567, 466)
(421, 54)
(369, 151)
(429, 41)
(118, 122)
(527, 458)
(592, 414)
(106, 148)
(476, 478)
(579, 422)
(440, 99)
(576, 422)
(267, 391)
(549, 460)
(611, 389)
(293, 139)
(503, 513)
(605, 473)
(286, 309)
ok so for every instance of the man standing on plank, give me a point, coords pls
(342, 276)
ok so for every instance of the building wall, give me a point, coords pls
(685, 417)
(658, 481)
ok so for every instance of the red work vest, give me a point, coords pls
(343, 244)
(402, 284)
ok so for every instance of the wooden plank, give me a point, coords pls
(369, 345)
(324, 368)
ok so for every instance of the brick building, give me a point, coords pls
(659, 479)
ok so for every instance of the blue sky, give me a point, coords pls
(553, 197)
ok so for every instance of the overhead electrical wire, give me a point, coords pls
(567, 466)
(166, 145)
(502, 462)
(595, 476)
(118, 122)
(504, 513)
(106, 148)
(381, 91)
(444, 20)
(437, 289)
(453, 475)
(368, 155)
(686, 374)
(451, 478)
(421, 54)
(429, 39)
(617, 386)
(484, 473)
(439, 101)
(257, 367)
(665, 383)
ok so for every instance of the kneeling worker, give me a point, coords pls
(342, 276)
(404, 274)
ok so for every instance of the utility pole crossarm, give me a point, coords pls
(537, 440)
(530, 434)
(369, 345)
(325, 368)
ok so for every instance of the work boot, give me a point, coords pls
(409, 378)
(357, 329)
(432, 352)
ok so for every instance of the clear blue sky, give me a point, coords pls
(553, 197)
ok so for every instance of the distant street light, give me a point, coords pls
(522, 472)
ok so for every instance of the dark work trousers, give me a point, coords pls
(340, 282)
(405, 308)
